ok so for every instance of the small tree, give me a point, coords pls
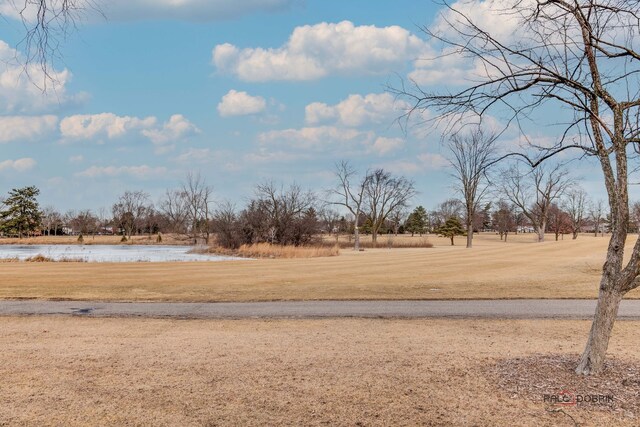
(504, 219)
(451, 228)
(350, 193)
(575, 205)
(470, 157)
(534, 192)
(417, 221)
(21, 214)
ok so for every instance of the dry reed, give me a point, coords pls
(267, 250)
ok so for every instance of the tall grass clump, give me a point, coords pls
(268, 250)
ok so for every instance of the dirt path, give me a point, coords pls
(523, 309)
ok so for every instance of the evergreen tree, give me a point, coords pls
(21, 213)
(451, 228)
(417, 221)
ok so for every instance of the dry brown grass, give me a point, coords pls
(492, 269)
(384, 241)
(78, 371)
(266, 250)
(42, 258)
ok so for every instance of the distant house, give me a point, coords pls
(526, 229)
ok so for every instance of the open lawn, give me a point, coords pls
(81, 371)
(492, 269)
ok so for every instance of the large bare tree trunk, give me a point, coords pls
(541, 231)
(356, 235)
(592, 359)
(374, 238)
(469, 235)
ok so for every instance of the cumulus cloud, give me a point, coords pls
(16, 128)
(188, 10)
(177, 128)
(384, 145)
(21, 89)
(316, 138)
(315, 51)
(357, 110)
(87, 126)
(424, 162)
(19, 165)
(236, 103)
(446, 66)
(140, 172)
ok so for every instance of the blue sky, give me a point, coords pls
(242, 91)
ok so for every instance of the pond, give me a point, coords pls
(109, 253)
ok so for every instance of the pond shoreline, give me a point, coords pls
(106, 253)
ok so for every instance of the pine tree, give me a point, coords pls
(417, 221)
(21, 214)
(451, 228)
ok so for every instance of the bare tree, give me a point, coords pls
(51, 220)
(504, 219)
(227, 226)
(579, 58)
(534, 192)
(384, 194)
(130, 210)
(173, 206)
(46, 24)
(290, 213)
(197, 200)
(85, 222)
(597, 216)
(575, 204)
(350, 193)
(397, 217)
(331, 221)
(559, 221)
(470, 157)
(447, 209)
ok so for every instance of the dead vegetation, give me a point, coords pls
(520, 268)
(615, 391)
(389, 241)
(42, 258)
(76, 371)
(266, 250)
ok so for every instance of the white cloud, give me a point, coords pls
(384, 145)
(316, 138)
(15, 128)
(221, 159)
(87, 126)
(76, 159)
(22, 89)
(357, 110)
(433, 161)
(315, 51)
(177, 128)
(140, 172)
(19, 165)
(425, 162)
(189, 10)
(264, 156)
(236, 103)
(447, 65)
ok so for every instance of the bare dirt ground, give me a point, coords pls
(77, 371)
(492, 269)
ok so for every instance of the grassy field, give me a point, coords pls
(79, 371)
(492, 269)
